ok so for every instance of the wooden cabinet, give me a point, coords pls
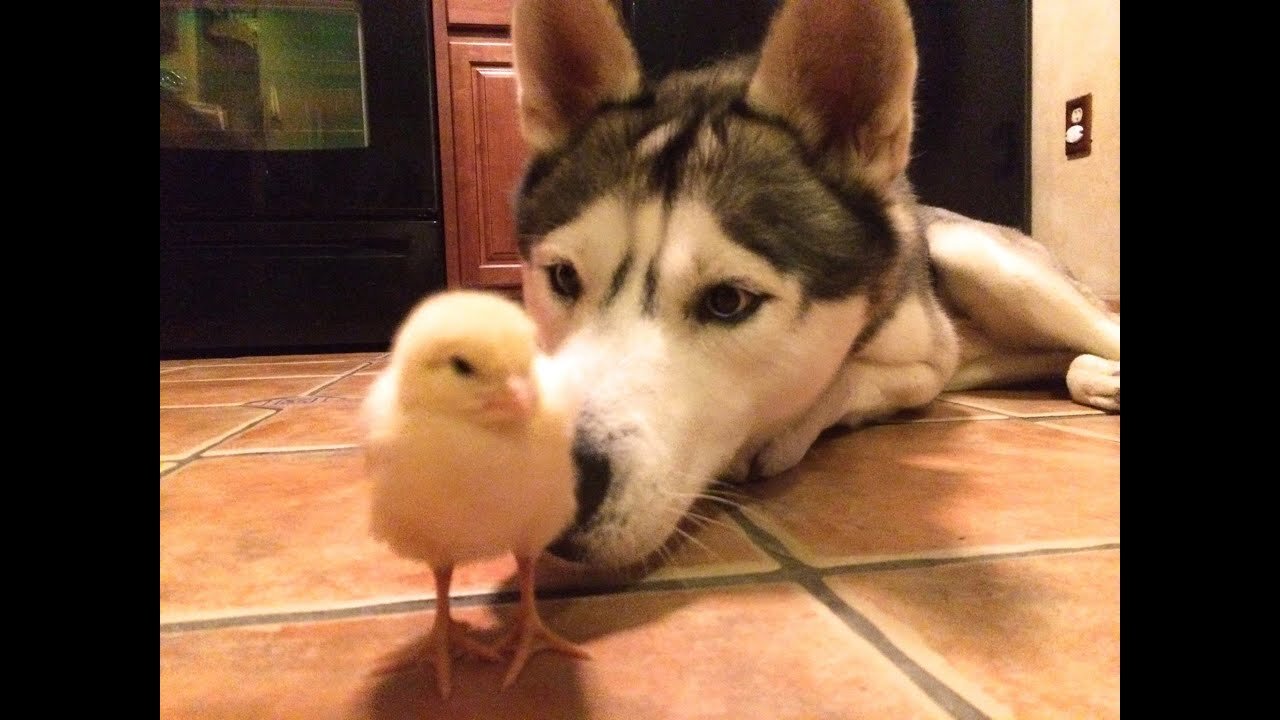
(482, 154)
(488, 158)
(490, 13)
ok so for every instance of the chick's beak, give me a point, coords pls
(517, 399)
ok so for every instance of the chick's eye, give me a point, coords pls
(564, 280)
(461, 366)
(728, 304)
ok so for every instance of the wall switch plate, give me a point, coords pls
(1079, 126)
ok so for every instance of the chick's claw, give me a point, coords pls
(449, 640)
(530, 633)
(439, 649)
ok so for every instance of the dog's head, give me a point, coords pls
(703, 253)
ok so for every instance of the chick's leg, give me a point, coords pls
(446, 636)
(529, 627)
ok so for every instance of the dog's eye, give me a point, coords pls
(461, 366)
(564, 280)
(728, 304)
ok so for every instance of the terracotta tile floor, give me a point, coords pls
(962, 561)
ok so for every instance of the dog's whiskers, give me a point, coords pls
(712, 494)
(680, 535)
(662, 556)
(727, 493)
(703, 521)
(690, 537)
(693, 515)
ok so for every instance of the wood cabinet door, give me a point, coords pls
(496, 13)
(488, 159)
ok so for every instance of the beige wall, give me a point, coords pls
(1075, 204)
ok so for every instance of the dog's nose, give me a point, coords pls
(594, 476)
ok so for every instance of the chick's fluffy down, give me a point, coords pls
(448, 488)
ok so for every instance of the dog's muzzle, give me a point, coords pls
(594, 477)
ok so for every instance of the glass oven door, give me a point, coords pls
(296, 109)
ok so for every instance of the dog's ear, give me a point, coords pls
(842, 73)
(570, 57)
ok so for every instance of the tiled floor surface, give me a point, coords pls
(959, 562)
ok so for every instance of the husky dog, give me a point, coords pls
(733, 259)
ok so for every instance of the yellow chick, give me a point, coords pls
(468, 436)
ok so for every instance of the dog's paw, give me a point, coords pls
(1095, 382)
(781, 454)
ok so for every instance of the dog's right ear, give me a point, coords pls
(570, 58)
(842, 73)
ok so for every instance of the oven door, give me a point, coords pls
(296, 109)
(299, 202)
(265, 287)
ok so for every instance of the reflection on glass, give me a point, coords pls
(269, 75)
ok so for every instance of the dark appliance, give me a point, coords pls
(299, 189)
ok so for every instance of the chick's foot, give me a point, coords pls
(448, 639)
(530, 634)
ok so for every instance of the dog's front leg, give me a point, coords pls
(1095, 381)
(860, 393)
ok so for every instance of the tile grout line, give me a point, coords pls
(1053, 415)
(1082, 432)
(299, 450)
(1076, 410)
(492, 598)
(479, 599)
(190, 406)
(207, 444)
(980, 413)
(811, 579)
(272, 413)
(795, 572)
(212, 450)
(937, 690)
(279, 449)
(988, 417)
(177, 465)
(247, 377)
(340, 378)
(398, 607)
(923, 561)
(267, 360)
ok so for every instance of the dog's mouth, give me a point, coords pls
(576, 546)
(619, 530)
(584, 547)
(595, 475)
(569, 546)
(581, 547)
(607, 543)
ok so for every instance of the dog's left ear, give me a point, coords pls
(842, 73)
(570, 58)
